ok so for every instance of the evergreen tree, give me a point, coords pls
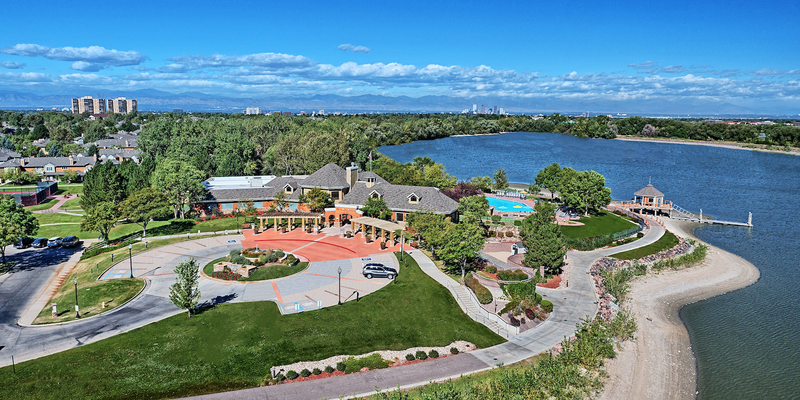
(185, 292)
(102, 183)
(543, 240)
(500, 179)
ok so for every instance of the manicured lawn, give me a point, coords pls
(604, 223)
(45, 205)
(72, 205)
(667, 241)
(57, 218)
(218, 225)
(117, 231)
(262, 273)
(233, 346)
(70, 189)
(90, 298)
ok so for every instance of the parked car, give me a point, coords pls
(54, 241)
(39, 243)
(23, 243)
(70, 241)
(378, 270)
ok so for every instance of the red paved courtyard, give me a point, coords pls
(314, 247)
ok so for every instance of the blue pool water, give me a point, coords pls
(508, 205)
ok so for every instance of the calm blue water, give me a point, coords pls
(747, 341)
(508, 205)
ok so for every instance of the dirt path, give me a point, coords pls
(660, 363)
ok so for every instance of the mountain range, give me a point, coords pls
(156, 100)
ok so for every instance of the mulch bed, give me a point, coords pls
(552, 283)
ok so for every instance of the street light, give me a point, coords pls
(130, 257)
(340, 286)
(77, 314)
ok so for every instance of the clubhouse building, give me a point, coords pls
(348, 189)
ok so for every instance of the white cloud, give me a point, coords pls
(652, 68)
(91, 54)
(774, 72)
(354, 49)
(87, 67)
(265, 60)
(12, 65)
(86, 79)
(17, 77)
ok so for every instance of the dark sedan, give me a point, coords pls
(39, 243)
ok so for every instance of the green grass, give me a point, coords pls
(72, 205)
(667, 241)
(57, 218)
(233, 346)
(70, 189)
(45, 205)
(117, 231)
(262, 273)
(114, 292)
(605, 223)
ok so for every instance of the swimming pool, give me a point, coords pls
(508, 205)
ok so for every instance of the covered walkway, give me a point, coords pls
(317, 219)
(385, 227)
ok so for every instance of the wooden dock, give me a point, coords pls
(714, 221)
(673, 211)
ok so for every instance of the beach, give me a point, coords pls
(660, 363)
(725, 145)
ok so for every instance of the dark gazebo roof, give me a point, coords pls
(649, 191)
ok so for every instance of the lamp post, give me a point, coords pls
(130, 257)
(77, 314)
(340, 285)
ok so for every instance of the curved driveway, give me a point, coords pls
(319, 283)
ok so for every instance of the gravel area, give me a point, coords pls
(391, 355)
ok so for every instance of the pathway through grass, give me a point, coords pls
(667, 241)
(233, 345)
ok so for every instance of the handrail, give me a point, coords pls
(492, 317)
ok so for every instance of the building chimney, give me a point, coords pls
(352, 175)
(71, 161)
(126, 144)
(22, 161)
(95, 157)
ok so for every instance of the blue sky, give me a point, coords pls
(743, 53)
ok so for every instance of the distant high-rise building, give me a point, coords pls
(177, 110)
(502, 112)
(252, 111)
(483, 109)
(88, 104)
(121, 105)
(321, 112)
(474, 107)
(495, 109)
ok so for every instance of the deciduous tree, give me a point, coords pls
(473, 208)
(180, 182)
(318, 199)
(586, 191)
(101, 217)
(15, 223)
(549, 178)
(143, 206)
(462, 242)
(500, 179)
(185, 292)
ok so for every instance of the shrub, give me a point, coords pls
(305, 373)
(317, 371)
(496, 218)
(372, 361)
(453, 350)
(290, 260)
(262, 259)
(517, 223)
(509, 234)
(433, 354)
(491, 269)
(508, 307)
(512, 275)
(329, 369)
(640, 235)
(547, 306)
(530, 313)
(421, 355)
(499, 234)
(237, 259)
(538, 298)
(410, 357)
(291, 375)
(483, 294)
(340, 366)
(280, 377)
(279, 253)
(514, 321)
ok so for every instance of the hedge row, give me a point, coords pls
(101, 250)
(483, 294)
(512, 275)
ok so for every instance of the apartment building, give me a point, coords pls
(88, 104)
(121, 105)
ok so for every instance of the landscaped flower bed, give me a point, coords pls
(254, 265)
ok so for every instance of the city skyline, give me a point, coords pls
(624, 54)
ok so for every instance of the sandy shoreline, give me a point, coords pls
(724, 145)
(660, 363)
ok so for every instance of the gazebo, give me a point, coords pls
(649, 196)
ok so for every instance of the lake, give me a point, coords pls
(745, 341)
